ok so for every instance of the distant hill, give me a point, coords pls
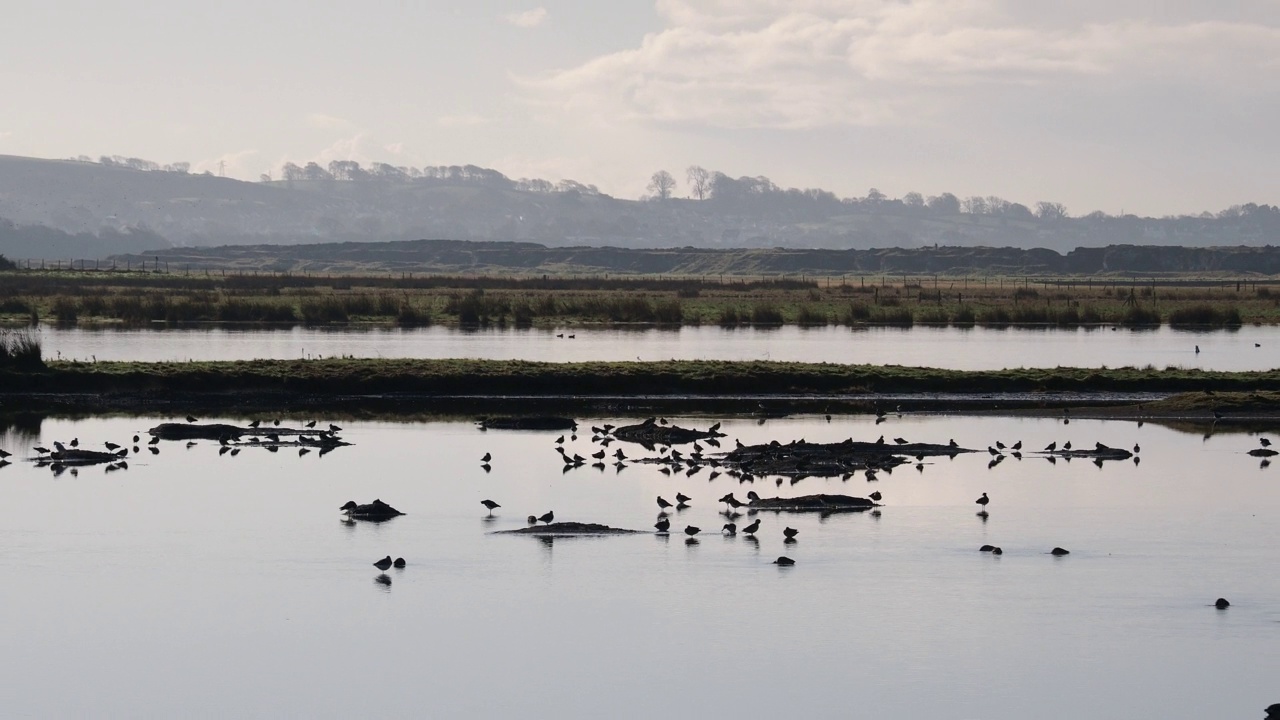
(130, 197)
(499, 258)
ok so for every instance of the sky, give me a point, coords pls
(1136, 106)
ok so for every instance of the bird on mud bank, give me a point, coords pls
(551, 515)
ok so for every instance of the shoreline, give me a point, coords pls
(755, 388)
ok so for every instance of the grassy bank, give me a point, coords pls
(337, 377)
(69, 299)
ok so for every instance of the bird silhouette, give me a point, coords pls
(190, 419)
(255, 423)
(487, 457)
(983, 501)
(876, 496)
(1264, 442)
(491, 505)
(752, 528)
(682, 498)
(784, 561)
(111, 446)
(663, 502)
(1051, 446)
(790, 533)
(663, 525)
(399, 563)
(384, 563)
(690, 530)
(548, 517)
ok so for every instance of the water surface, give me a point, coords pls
(228, 584)
(1250, 348)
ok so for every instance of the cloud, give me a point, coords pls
(327, 122)
(527, 19)
(803, 64)
(5, 134)
(463, 120)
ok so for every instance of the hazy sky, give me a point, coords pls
(1150, 107)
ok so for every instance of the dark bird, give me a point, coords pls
(560, 440)
(730, 528)
(598, 455)
(1051, 446)
(1059, 552)
(682, 498)
(155, 440)
(784, 561)
(487, 457)
(1066, 445)
(491, 505)
(334, 428)
(548, 517)
(1197, 349)
(1137, 448)
(236, 451)
(276, 422)
(690, 530)
(714, 428)
(1265, 442)
(311, 424)
(1017, 445)
(399, 563)
(999, 445)
(190, 419)
(880, 440)
(663, 502)
(790, 533)
(384, 563)
(255, 423)
(876, 496)
(111, 446)
(752, 528)
(663, 525)
(900, 441)
(532, 520)
(1222, 604)
(60, 447)
(75, 442)
(1217, 415)
(732, 501)
(983, 501)
(952, 443)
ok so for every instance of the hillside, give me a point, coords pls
(120, 203)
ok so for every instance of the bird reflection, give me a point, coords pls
(488, 519)
(384, 580)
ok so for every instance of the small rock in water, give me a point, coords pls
(1222, 604)
(1059, 552)
(784, 560)
(997, 551)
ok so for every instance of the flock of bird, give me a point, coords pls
(72, 455)
(671, 459)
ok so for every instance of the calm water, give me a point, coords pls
(193, 584)
(971, 349)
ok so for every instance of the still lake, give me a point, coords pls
(198, 584)
(1249, 348)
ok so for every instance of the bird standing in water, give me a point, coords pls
(983, 501)
(491, 505)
